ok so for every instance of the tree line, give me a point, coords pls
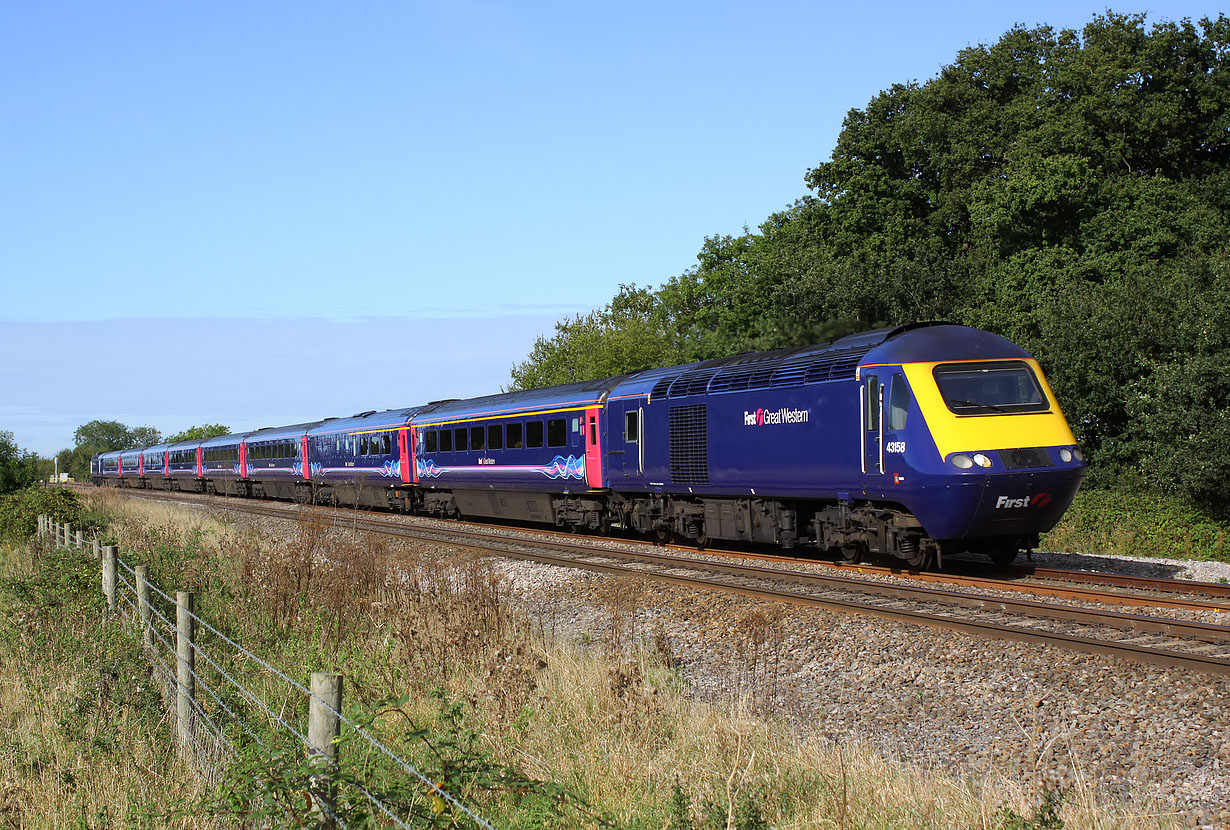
(21, 468)
(1066, 189)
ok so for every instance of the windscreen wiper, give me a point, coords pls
(990, 406)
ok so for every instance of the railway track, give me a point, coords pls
(1147, 639)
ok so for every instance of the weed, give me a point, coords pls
(1045, 817)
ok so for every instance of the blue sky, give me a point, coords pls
(385, 203)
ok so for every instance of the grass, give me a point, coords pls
(87, 741)
(533, 730)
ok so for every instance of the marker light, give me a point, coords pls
(1065, 455)
(961, 461)
(981, 460)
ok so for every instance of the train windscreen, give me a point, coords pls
(990, 388)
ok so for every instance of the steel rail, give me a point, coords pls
(507, 546)
(1136, 583)
(1137, 622)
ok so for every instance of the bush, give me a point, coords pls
(1124, 522)
(19, 511)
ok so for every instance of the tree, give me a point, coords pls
(104, 436)
(1068, 190)
(145, 437)
(18, 468)
(198, 433)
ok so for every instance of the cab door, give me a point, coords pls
(624, 448)
(872, 412)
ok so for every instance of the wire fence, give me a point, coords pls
(207, 735)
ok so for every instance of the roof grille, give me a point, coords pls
(693, 383)
(659, 388)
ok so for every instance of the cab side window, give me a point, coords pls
(871, 403)
(898, 403)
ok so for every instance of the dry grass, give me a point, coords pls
(612, 723)
(80, 749)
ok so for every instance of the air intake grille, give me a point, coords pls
(689, 436)
(1019, 459)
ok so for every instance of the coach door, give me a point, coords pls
(405, 454)
(872, 410)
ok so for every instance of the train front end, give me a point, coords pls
(991, 463)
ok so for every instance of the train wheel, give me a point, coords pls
(851, 553)
(923, 560)
(1003, 558)
(702, 542)
(662, 535)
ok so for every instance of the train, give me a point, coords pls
(910, 442)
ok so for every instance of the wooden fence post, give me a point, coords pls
(324, 726)
(143, 607)
(185, 664)
(108, 574)
(79, 540)
(42, 521)
(98, 549)
(65, 529)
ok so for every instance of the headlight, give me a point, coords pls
(1076, 451)
(981, 460)
(961, 461)
(1065, 455)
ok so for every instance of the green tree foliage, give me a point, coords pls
(630, 333)
(18, 468)
(198, 433)
(1065, 189)
(103, 436)
(145, 436)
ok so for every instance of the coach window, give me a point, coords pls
(387, 443)
(478, 438)
(533, 434)
(460, 439)
(429, 440)
(446, 440)
(514, 436)
(557, 432)
(495, 437)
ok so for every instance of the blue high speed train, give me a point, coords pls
(910, 442)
